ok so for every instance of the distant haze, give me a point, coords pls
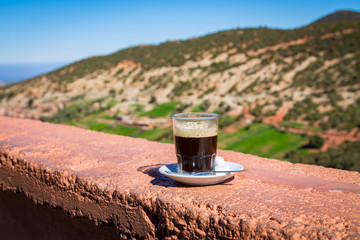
(16, 72)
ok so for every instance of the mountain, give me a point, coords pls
(266, 71)
(304, 81)
(343, 15)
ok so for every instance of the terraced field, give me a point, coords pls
(260, 139)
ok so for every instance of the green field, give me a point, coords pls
(300, 125)
(262, 140)
(162, 110)
(112, 128)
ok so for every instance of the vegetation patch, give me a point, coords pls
(346, 157)
(262, 140)
(306, 110)
(198, 108)
(300, 125)
(225, 121)
(162, 110)
(158, 134)
(340, 118)
(75, 112)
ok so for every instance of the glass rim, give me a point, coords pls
(201, 116)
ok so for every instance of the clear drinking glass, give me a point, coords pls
(195, 136)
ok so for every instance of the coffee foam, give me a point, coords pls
(195, 129)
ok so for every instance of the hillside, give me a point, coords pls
(303, 81)
(344, 15)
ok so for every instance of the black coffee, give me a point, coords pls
(196, 154)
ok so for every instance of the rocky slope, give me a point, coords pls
(309, 75)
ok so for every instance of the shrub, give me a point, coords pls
(152, 99)
(112, 92)
(225, 121)
(316, 141)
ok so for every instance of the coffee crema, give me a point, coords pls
(195, 129)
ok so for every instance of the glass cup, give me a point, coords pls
(195, 137)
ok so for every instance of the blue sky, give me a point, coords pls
(66, 31)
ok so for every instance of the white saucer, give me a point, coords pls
(171, 171)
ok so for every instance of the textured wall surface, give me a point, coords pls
(114, 181)
(21, 219)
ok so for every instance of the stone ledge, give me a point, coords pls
(114, 180)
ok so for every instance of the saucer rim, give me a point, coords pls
(187, 176)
